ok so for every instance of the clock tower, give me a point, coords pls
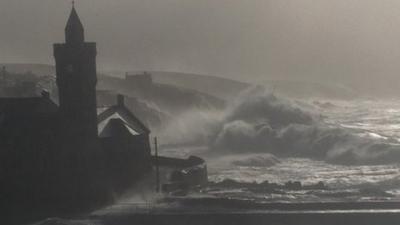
(76, 79)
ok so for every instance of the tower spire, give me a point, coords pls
(77, 79)
(74, 31)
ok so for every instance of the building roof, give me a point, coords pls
(116, 127)
(26, 106)
(22, 117)
(107, 121)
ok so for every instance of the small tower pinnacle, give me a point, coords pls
(76, 79)
(74, 31)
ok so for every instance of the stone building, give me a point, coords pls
(65, 156)
(125, 140)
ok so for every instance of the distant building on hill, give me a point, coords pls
(140, 81)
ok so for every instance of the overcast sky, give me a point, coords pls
(348, 41)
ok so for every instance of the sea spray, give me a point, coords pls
(261, 122)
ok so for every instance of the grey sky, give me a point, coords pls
(349, 41)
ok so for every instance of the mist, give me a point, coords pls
(199, 112)
(342, 41)
(258, 122)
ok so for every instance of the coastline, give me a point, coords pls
(256, 218)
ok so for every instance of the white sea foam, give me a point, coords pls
(346, 145)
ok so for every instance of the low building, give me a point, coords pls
(125, 140)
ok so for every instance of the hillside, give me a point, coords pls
(218, 87)
(38, 69)
(300, 89)
(226, 89)
(221, 88)
(169, 98)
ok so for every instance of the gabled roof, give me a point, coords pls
(26, 106)
(126, 117)
(27, 116)
(115, 127)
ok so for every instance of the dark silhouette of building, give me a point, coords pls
(76, 78)
(55, 156)
(125, 140)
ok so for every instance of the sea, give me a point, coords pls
(370, 119)
(374, 120)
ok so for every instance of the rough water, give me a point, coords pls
(353, 180)
(353, 147)
(366, 129)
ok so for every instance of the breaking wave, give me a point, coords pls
(257, 160)
(262, 122)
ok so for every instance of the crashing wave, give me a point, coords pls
(262, 122)
(257, 160)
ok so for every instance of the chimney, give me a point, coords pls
(120, 100)
(45, 94)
